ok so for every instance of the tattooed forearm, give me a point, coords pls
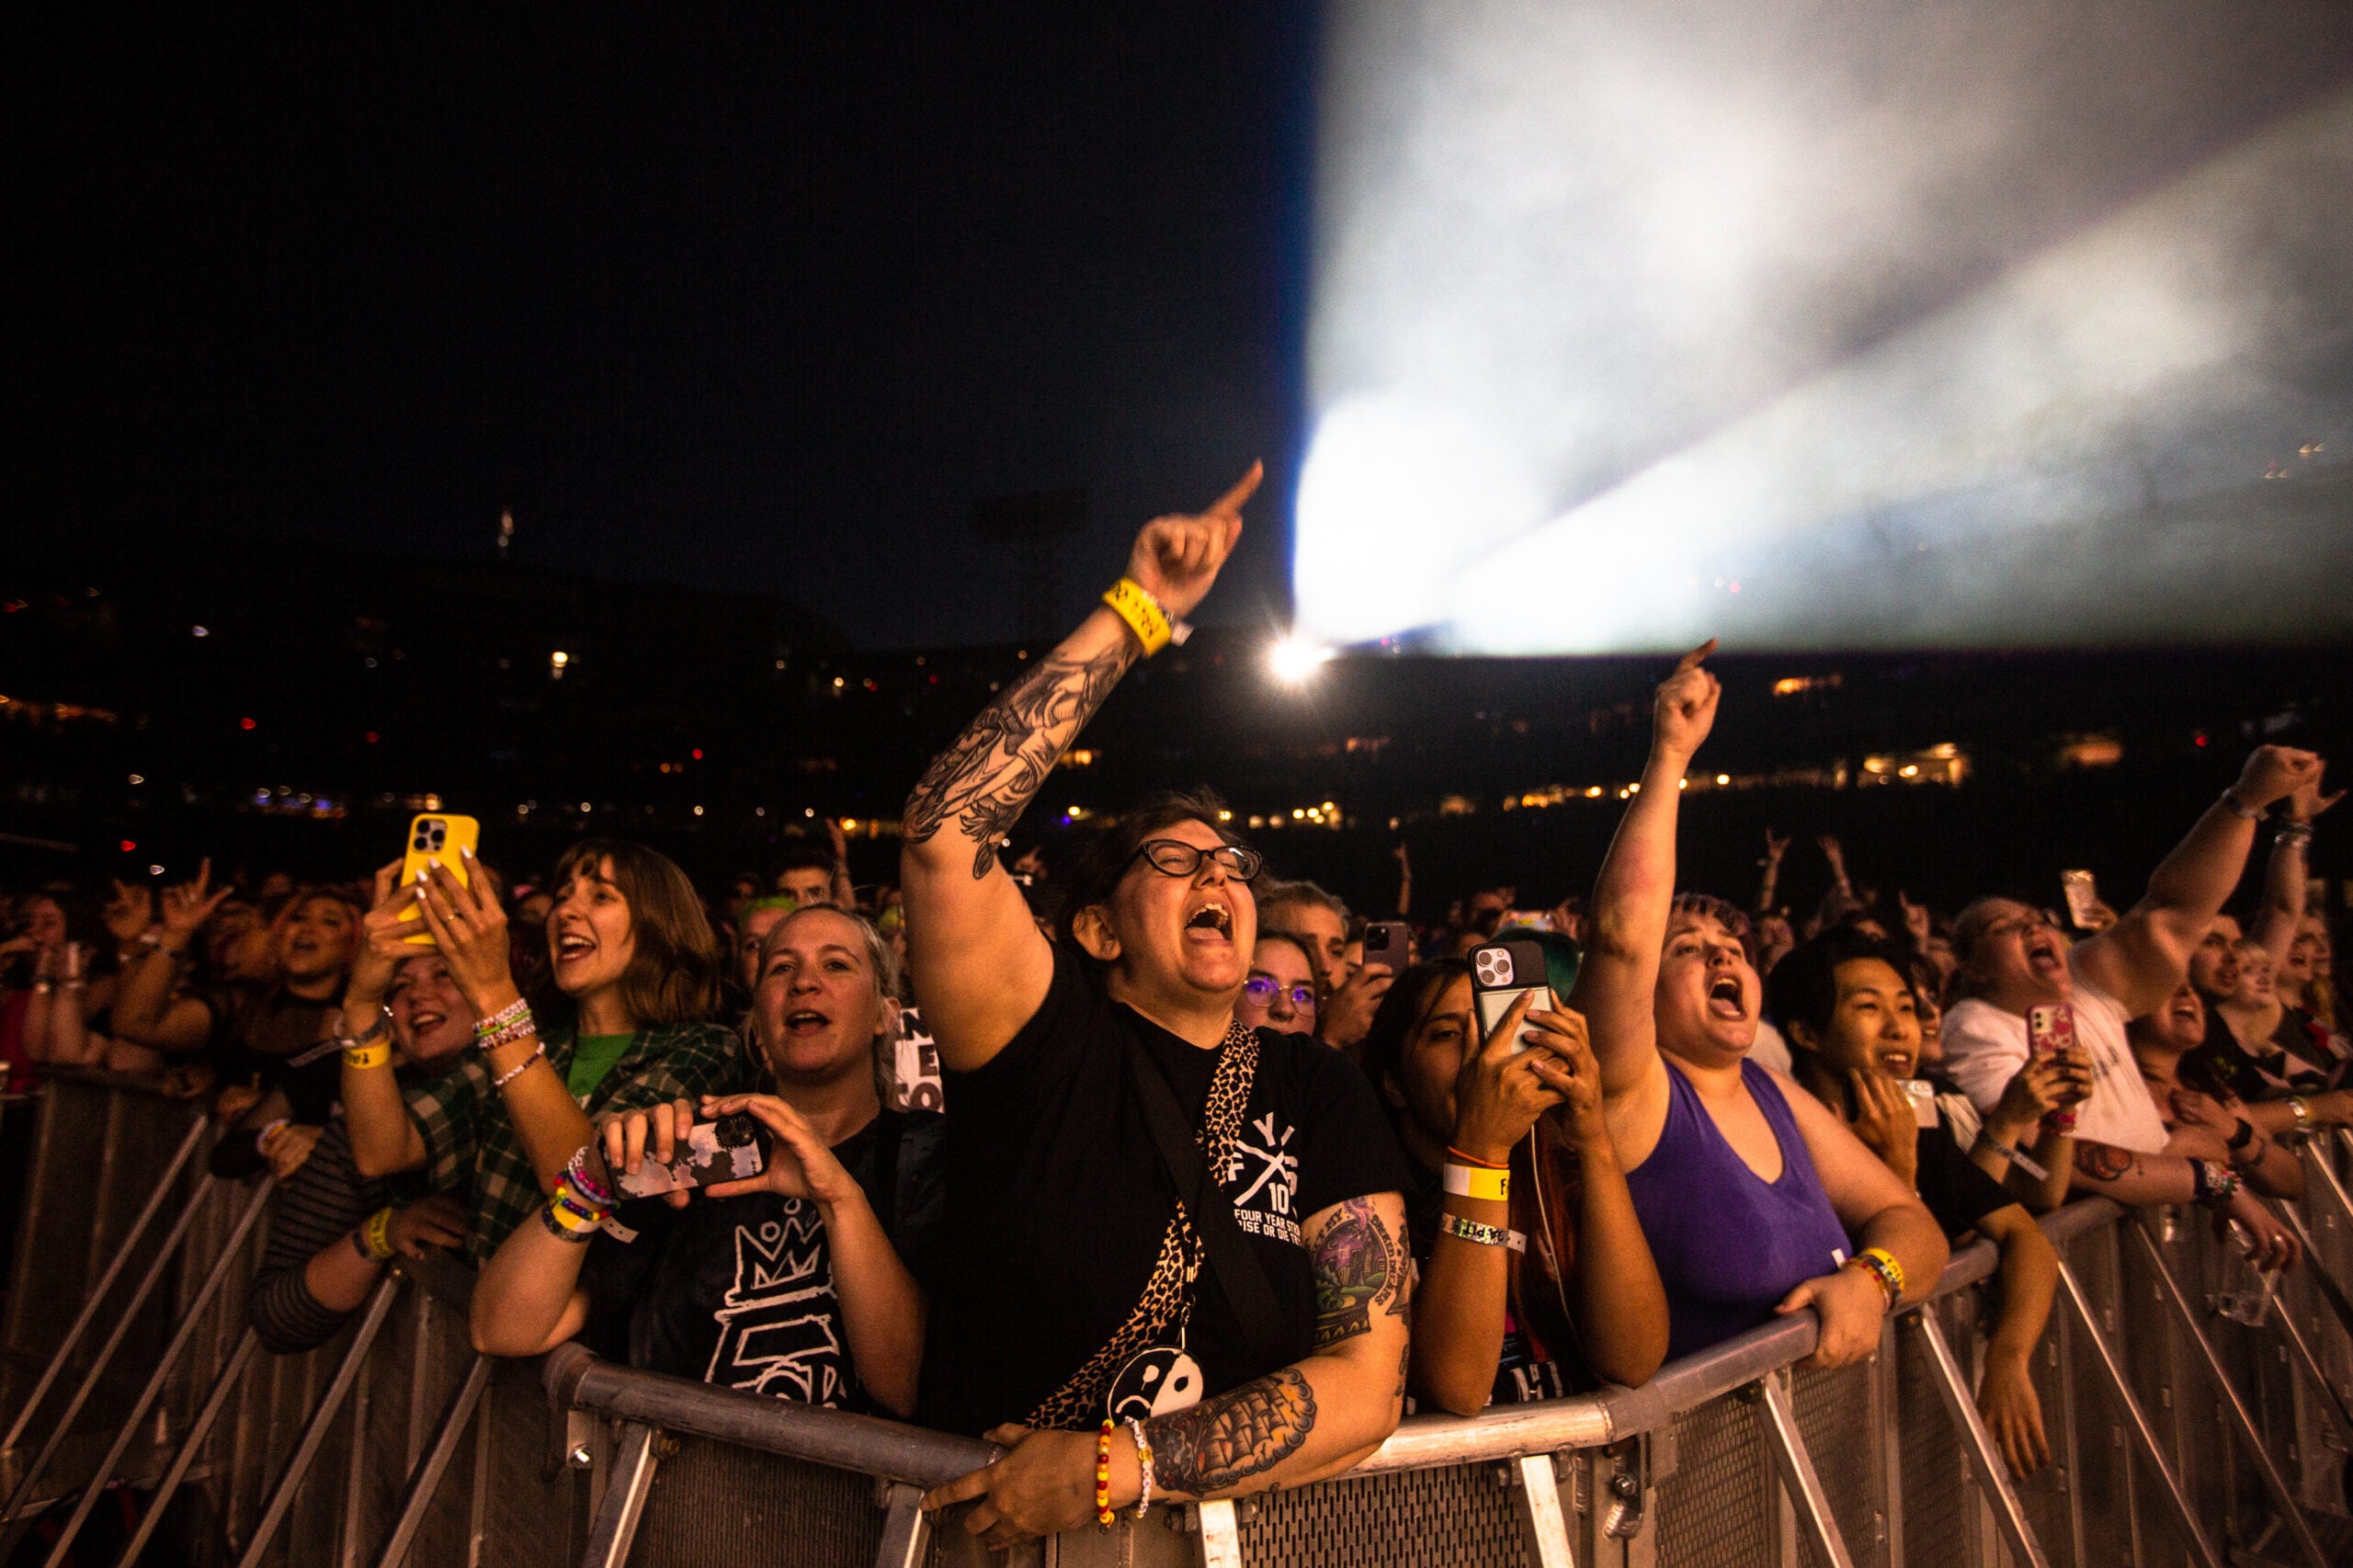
(1225, 1441)
(1359, 1266)
(2103, 1162)
(988, 777)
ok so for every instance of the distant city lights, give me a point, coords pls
(558, 662)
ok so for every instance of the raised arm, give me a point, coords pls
(2283, 878)
(2142, 957)
(375, 1112)
(147, 1011)
(1632, 896)
(980, 965)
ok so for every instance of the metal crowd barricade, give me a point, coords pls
(2197, 1413)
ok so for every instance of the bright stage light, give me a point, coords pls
(1293, 660)
(1842, 326)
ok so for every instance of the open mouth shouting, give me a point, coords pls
(572, 945)
(1727, 999)
(803, 1022)
(1210, 922)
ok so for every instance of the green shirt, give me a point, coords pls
(593, 1056)
(472, 1149)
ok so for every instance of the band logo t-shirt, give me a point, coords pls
(1058, 1205)
(739, 1292)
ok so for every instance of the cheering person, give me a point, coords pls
(1178, 1243)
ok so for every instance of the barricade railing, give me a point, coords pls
(2198, 1411)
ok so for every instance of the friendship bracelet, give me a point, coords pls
(1474, 1160)
(2213, 1184)
(575, 1171)
(1477, 1235)
(1881, 1266)
(1133, 602)
(1144, 1462)
(564, 1228)
(1485, 1183)
(517, 1070)
(1103, 1468)
(501, 1018)
(510, 1026)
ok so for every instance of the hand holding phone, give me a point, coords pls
(2051, 1029)
(1389, 942)
(726, 1150)
(1501, 973)
(435, 839)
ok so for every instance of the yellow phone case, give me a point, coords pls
(437, 835)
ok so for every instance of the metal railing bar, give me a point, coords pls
(1795, 1465)
(96, 1370)
(1992, 1475)
(2121, 1391)
(223, 1387)
(97, 1296)
(2323, 1280)
(193, 1317)
(348, 1372)
(426, 1478)
(1221, 1534)
(355, 1472)
(2225, 1392)
(2331, 1398)
(615, 1530)
(477, 1508)
(906, 1529)
(1541, 1520)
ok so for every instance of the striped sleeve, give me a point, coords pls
(320, 1207)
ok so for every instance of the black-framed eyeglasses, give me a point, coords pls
(1174, 858)
(1263, 989)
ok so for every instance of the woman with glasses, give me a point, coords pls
(1281, 994)
(1175, 1247)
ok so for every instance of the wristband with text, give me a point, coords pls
(376, 1236)
(1479, 1182)
(357, 1055)
(1477, 1235)
(1133, 602)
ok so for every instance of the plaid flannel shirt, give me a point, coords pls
(472, 1147)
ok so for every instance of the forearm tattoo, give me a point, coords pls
(988, 777)
(1359, 1266)
(2103, 1162)
(1222, 1442)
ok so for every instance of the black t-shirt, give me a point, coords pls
(1955, 1191)
(1057, 1204)
(256, 1030)
(739, 1291)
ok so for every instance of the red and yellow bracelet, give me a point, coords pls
(1103, 1474)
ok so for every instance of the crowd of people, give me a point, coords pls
(1215, 1179)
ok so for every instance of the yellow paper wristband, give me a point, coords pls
(1133, 603)
(374, 1055)
(1476, 1181)
(380, 1234)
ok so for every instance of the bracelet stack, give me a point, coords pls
(374, 1239)
(1477, 1235)
(1880, 1265)
(372, 1048)
(1133, 602)
(2212, 1183)
(580, 1205)
(1144, 1462)
(1103, 1474)
(509, 1023)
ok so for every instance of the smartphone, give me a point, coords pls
(2083, 898)
(2048, 1028)
(1389, 942)
(434, 837)
(1922, 1096)
(725, 1150)
(1501, 973)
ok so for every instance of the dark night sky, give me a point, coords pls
(758, 301)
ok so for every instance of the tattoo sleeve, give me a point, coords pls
(988, 777)
(1222, 1442)
(1359, 1266)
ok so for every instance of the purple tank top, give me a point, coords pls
(1729, 1246)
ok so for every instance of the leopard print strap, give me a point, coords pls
(1077, 1405)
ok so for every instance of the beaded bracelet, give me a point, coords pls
(512, 1026)
(575, 1171)
(2211, 1183)
(517, 1070)
(1144, 1462)
(1103, 1472)
(564, 1226)
(1477, 1235)
(485, 1027)
(1483, 1182)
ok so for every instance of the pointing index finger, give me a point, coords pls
(1231, 503)
(1691, 660)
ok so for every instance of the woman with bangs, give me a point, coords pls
(634, 971)
(1754, 1199)
(1552, 1291)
